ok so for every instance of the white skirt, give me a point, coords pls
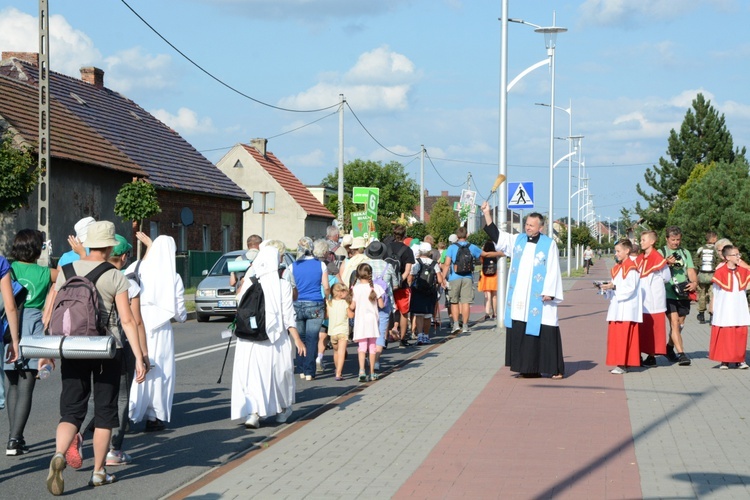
(153, 398)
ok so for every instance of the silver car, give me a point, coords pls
(214, 296)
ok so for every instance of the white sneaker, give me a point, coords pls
(466, 328)
(724, 366)
(318, 365)
(284, 415)
(456, 328)
(253, 421)
(743, 366)
(618, 371)
(302, 376)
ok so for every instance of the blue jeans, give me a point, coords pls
(384, 316)
(310, 316)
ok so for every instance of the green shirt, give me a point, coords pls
(679, 272)
(36, 279)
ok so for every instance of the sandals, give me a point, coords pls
(557, 376)
(374, 376)
(362, 377)
(100, 478)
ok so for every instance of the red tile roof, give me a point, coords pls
(70, 139)
(290, 183)
(170, 162)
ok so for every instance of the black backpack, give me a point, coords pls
(489, 266)
(426, 280)
(250, 321)
(464, 260)
(394, 260)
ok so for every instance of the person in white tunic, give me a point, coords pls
(731, 316)
(161, 300)
(533, 341)
(263, 372)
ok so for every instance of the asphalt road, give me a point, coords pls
(200, 436)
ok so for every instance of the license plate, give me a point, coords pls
(227, 303)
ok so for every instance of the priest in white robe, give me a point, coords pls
(533, 345)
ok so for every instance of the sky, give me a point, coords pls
(415, 72)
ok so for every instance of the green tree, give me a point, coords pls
(136, 201)
(706, 199)
(18, 175)
(349, 207)
(398, 192)
(703, 138)
(443, 220)
(417, 230)
(736, 219)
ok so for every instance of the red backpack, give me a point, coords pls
(76, 308)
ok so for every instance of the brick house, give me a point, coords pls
(100, 140)
(296, 211)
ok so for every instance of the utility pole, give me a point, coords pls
(43, 153)
(342, 100)
(421, 182)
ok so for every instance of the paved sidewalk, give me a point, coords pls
(453, 423)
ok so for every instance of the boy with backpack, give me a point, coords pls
(427, 279)
(111, 292)
(458, 270)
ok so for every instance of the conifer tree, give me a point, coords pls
(703, 138)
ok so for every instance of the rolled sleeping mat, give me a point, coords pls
(58, 346)
(238, 266)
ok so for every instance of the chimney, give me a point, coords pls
(426, 193)
(29, 57)
(259, 145)
(93, 76)
(444, 194)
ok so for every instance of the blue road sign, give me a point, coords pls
(520, 195)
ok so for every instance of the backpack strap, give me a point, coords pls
(97, 272)
(135, 275)
(68, 271)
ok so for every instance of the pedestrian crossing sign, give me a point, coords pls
(520, 195)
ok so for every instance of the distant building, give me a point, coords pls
(295, 211)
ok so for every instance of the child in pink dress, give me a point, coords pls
(366, 298)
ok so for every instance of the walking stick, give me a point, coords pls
(226, 354)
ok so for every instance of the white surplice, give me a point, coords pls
(653, 292)
(730, 308)
(162, 299)
(626, 300)
(263, 372)
(520, 297)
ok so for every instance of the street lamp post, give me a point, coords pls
(550, 40)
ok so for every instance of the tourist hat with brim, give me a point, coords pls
(101, 235)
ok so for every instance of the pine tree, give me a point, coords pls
(703, 138)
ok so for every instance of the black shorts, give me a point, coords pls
(76, 388)
(680, 306)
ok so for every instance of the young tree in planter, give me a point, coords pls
(18, 175)
(137, 201)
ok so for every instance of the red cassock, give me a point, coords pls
(729, 326)
(624, 315)
(653, 331)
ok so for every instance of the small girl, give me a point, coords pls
(731, 317)
(625, 312)
(338, 325)
(366, 299)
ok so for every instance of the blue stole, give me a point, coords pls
(534, 319)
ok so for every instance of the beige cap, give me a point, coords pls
(358, 242)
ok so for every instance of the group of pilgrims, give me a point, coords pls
(648, 289)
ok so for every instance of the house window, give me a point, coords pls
(182, 238)
(206, 238)
(225, 243)
(153, 229)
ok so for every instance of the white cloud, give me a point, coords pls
(70, 49)
(315, 158)
(636, 12)
(381, 79)
(133, 69)
(307, 10)
(185, 122)
(736, 109)
(381, 66)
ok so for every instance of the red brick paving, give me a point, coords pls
(543, 438)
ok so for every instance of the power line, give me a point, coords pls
(438, 173)
(302, 126)
(216, 78)
(373, 137)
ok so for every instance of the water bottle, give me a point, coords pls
(45, 372)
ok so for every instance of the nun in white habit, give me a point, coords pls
(263, 373)
(161, 300)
